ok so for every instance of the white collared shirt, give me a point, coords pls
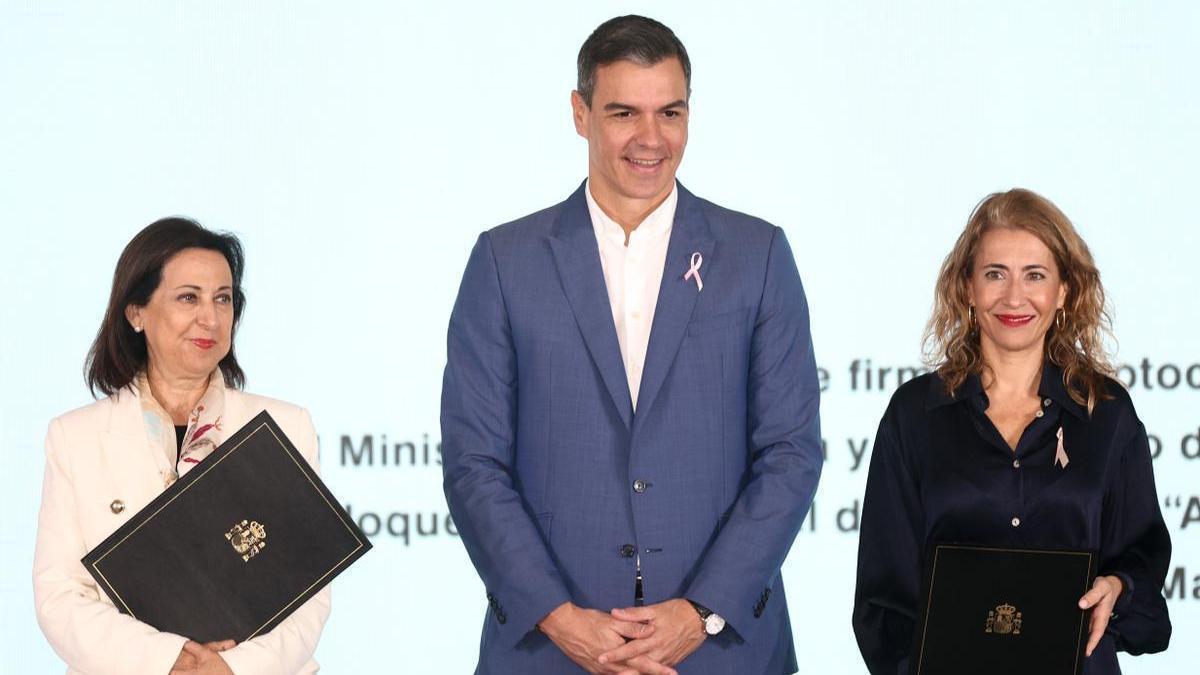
(633, 273)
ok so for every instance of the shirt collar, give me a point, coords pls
(1051, 387)
(938, 396)
(656, 224)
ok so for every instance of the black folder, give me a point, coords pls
(1001, 611)
(234, 546)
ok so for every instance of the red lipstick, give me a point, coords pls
(1014, 320)
(203, 343)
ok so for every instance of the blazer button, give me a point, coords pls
(1016, 522)
(117, 506)
(639, 486)
(627, 551)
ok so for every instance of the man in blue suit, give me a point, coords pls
(630, 404)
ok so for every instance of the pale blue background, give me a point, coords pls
(358, 149)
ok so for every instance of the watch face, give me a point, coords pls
(714, 624)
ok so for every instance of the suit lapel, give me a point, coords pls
(677, 297)
(577, 256)
(138, 469)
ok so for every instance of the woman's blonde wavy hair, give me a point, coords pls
(1074, 341)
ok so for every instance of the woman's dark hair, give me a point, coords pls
(118, 354)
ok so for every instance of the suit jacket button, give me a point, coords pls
(117, 506)
(639, 486)
(627, 551)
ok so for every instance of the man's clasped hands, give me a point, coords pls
(645, 640)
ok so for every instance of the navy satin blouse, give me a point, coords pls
(941, 471)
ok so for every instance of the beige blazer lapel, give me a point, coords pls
(236, 415)
(132, 471)
(136, 471)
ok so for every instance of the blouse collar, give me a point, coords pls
(1051, 387)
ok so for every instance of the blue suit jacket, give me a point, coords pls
(541, 446)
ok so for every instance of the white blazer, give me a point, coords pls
(101, 453)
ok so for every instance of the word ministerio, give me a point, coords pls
(376, 450)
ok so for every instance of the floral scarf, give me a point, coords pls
(203, 433)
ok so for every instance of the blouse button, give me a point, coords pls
(117, 506)
(1016, 522)
(1039, 413)
(1016, 463)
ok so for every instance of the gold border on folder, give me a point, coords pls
(96, 564)
(933, 573)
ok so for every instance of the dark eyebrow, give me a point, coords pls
(194, 287)
(623, 107)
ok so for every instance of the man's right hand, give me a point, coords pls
(584, 634)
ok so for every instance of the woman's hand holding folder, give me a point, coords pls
(1102, 598)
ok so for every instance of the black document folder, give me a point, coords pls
(1002, 611)
(234, 546)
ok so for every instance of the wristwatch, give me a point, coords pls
(713, 623)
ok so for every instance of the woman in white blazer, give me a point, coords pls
(164, 359)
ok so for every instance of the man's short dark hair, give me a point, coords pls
(628, 38)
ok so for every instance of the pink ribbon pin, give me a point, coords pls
(1060, 455)
(694, 270)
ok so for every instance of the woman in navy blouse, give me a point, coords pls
(1018, 438)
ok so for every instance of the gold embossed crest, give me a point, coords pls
(247, 538)
(1004, 620)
